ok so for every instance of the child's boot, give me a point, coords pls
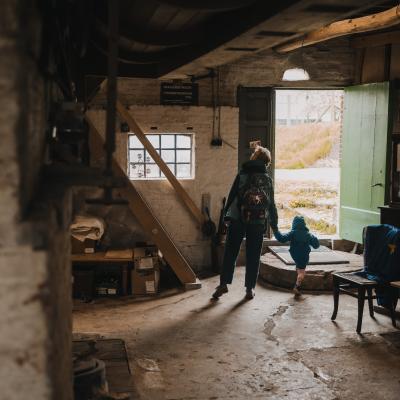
(297, 290)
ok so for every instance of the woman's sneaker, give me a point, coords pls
(297, 290)
(219, 291)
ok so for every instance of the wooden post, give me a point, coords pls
(368, 23)
(181, 192)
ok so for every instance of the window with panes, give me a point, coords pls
(176, 149)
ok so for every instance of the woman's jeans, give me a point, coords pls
(254, 233)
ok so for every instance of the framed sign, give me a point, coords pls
(177, 93)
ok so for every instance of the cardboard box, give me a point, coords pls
(146, 263)
(78, 247)
(145, 281)
(145, 277)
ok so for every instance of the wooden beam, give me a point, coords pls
(151, 225)
(181, 192)
(373, 22)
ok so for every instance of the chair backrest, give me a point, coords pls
(381, 253)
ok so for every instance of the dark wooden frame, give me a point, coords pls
(390, 212)
(395, 174)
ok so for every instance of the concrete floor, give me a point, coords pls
(273, 347)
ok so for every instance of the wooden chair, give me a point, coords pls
(355, 286)
(360, 288)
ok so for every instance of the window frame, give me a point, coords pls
(160, 149)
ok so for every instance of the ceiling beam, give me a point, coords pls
(373, 22)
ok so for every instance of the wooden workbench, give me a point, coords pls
(123, 258)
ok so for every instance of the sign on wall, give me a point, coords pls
(177, 93)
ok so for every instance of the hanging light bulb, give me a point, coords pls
(296, 74)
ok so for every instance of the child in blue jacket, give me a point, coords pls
(300, 241)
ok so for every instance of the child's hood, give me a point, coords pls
(299, 224)
(300, 229)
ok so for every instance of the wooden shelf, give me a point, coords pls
(99, 257)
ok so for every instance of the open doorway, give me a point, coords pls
(307, 157)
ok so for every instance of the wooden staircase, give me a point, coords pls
(149, 222)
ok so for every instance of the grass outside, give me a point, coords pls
(317, 204)
(301, 146)
(318, 227)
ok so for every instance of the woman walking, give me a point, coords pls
(249, 206)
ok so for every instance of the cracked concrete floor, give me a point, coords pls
(273, 347)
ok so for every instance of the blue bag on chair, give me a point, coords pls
(382, 257)
(382, 252)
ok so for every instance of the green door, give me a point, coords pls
(364, 158)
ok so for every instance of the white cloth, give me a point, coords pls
(87, 227)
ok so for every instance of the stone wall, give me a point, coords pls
(35, 284)
(215, 168)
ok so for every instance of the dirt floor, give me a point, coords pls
(273, 347)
